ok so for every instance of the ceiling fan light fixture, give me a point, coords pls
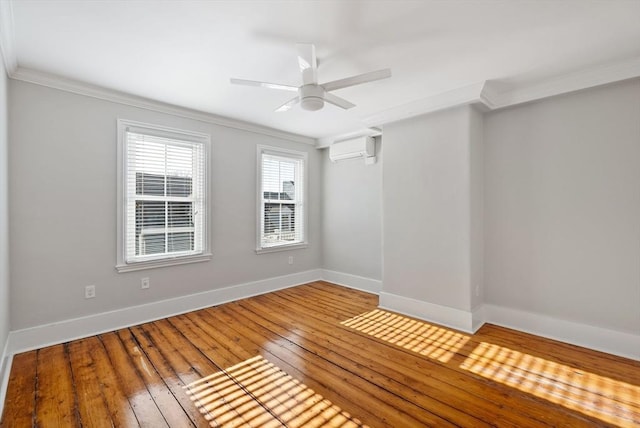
(312, 103)
(311, 97)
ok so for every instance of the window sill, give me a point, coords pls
(277, 248)
(162, 263)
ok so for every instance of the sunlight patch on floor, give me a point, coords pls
(598, 396)
(257, 393)
(435, 342)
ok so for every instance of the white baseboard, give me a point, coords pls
(478, 318)
(353, 281)
(600, 339)
(5, 369)
(443, 315)
(64, 331)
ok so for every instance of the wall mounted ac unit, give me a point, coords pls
(361, 147)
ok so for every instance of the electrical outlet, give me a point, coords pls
(89, 291)
(290, 260)
(144, 282)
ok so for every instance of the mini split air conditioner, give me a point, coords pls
(361, 147)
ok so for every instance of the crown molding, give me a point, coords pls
(570, 82)
(486, 96)
(7, 43)
(470, 94)
(325, 142)
(94, 91)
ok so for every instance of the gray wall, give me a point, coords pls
(562, 207)
(426, 205)
(63, 219)
(4, 214)
(352, 216)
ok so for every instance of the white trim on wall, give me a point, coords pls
(5, 369)
(570, 82)
(77, 328)
(7, 42)
(613, 342)
(353, 281)
(600, 339)
(486, 95)
(94, 91)
(439, 314)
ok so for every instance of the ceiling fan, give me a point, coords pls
(312, 95)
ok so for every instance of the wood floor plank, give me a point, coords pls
(164, 399)
(318, 355)
(118, 405)
(19, 407)
(156, 353)
(92, 405)
(128, 378)
(56, 404)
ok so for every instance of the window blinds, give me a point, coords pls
(282, 208)
(165, 197)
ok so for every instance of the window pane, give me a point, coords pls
(153, 243)
(149, 214)
(180, 214)
(178, 186)
(181, 241)
(149, 223)
(278, 178)
(149, 184)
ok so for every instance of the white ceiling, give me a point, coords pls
(184, 52)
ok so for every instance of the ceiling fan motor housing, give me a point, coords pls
(311, 97)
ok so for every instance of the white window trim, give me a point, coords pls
(280, 152)
(161, 131)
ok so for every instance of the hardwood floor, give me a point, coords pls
(317, 355)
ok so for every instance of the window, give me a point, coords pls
(281, 199)
(162, 196)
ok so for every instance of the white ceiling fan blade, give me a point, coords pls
(337, 101)
(357, 80)
(287, 106)
(263, 84)
(308, 63)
